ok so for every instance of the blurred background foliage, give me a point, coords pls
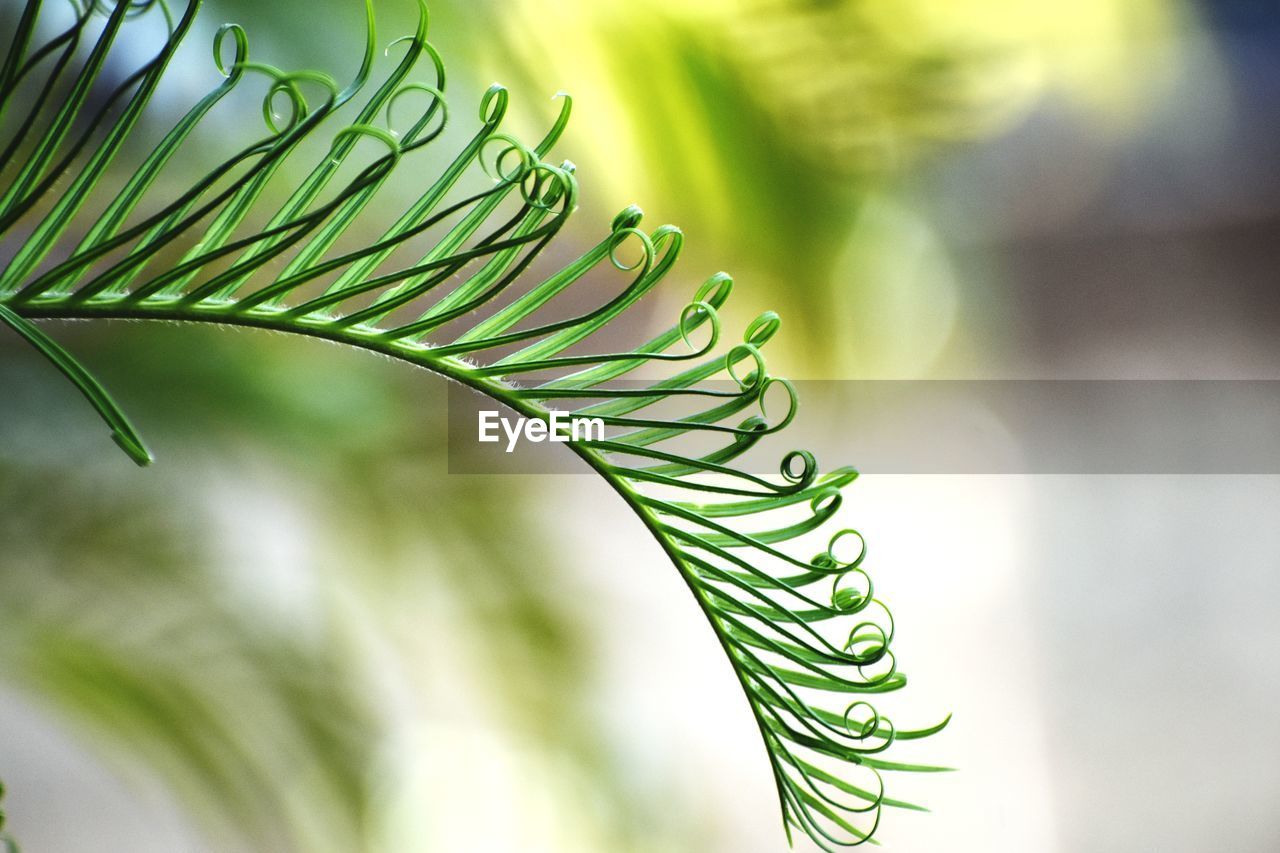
(778, 133)
(268, 621)
(317, 640)
(782, 135)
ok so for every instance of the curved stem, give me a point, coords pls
(421, 356)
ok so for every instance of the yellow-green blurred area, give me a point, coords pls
(298, 632)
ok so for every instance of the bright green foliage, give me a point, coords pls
(457, 282)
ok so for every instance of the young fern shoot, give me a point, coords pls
(455, 282)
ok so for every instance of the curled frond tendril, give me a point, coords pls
(437, 102)
(241, 38)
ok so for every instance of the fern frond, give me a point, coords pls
(458, 281)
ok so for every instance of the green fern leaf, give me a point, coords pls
(457, 282)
